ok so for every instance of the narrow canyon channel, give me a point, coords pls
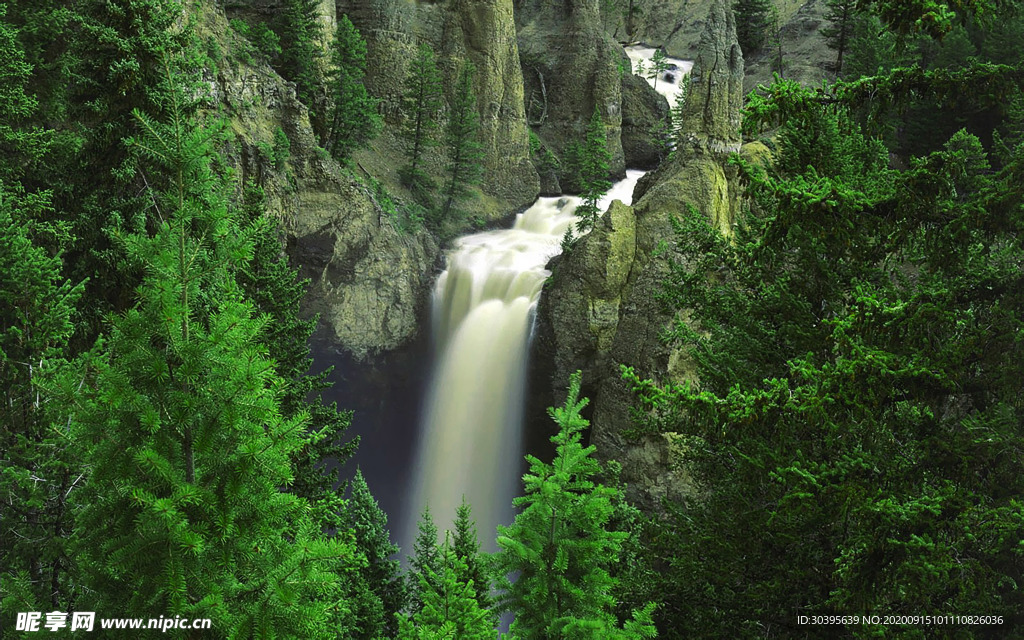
(441, 420)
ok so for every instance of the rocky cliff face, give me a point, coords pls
(459, 31)
(676, 25)
(570, 65)
(600, 310)
(368, 279)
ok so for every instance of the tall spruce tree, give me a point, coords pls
(753, 24)
(301, 55)
(464, 152)
(272, 285)
(559, 547)
(37, 310)
(38, 466)
(842, 16)
(181, 428)
(425, 561)
(353, 119)
(377, 591)
(466, 546)
(450, 607)
(594, 167)
(849, 432)
(421, 103)
(659, 64)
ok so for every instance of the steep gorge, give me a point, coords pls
(600, 310)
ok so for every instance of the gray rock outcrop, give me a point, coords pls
(570, 65)
(478, 31)
(368, 279)
(600, 309)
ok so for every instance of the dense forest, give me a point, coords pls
(854, 432)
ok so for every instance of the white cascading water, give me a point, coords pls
(470, 444)
(471, 440)
(669, 82)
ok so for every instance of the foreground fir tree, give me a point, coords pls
(377, 590)
(425, 561)
(38, 465)
(272, 285)
(556, 557)
(353, 119)
(466, 546)
(422, 103)
(450, 608)
(464, 152)
(860, 360)
(180, 424)
(594, 162)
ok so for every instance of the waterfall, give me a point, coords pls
(470, 440)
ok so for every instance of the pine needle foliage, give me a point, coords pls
(301, 55)
(464, 151)
(273, 286)
(421, 105)
(594, 163)
(353, 116)
(466, 546)
(859, 354)
(560, 546)
(37, 459)
(450, 608)
(425, 562)
(376, 592)
(182, 431)
(842, 14)
(753, 24)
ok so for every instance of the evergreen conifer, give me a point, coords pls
(559, 546)
(842, 16)
(464, 152)
(377, 592)
(753, 23)
(659, 64)
(425, 561)
(466, 546)
(450, 607)
(422, 103)
(182, 431)
(38, 465)
(353, 119)
(594, 167)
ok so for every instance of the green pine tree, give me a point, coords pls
(846, 435)
(841, 15)
(272, 285)
(353, 118)
(464, 152)
(466, 546)
(182, 431)
(421, 103)
(559, 546)
(659, 64)
(38, 465)
(594, 167)
(450, 608)
(301, 56)
(377, 592)
(753, 24)
(425, 561)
